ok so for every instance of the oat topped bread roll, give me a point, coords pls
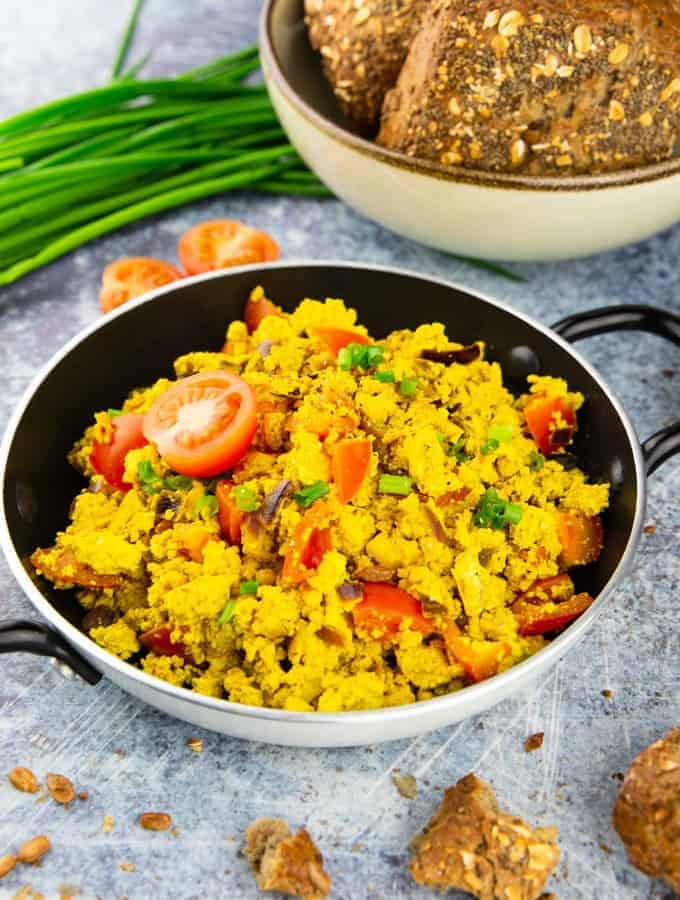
(540, 86)
(363, 44)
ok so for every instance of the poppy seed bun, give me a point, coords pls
(540, 86)
(363, 44)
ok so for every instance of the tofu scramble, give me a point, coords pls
(312, 520)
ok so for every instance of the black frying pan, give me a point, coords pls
(142, 340)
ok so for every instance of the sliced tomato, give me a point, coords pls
(552, 423)
(349, 466)
(203, 424)
(480, 659)
(337, 338)
(222, 243)
(158, 641)
(533, 618)
(385, 607)
(310, 542)
(581, 538)
(258, 308)
(108, 460)
(230, 517)
(131, 277)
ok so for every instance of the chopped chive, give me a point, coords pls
(395, 484)
(150, 480)
(244, 498)
(178, 482)
(112, 413)
(226, 613)
(489, 446)
(206, 507)
(310, 494)
(492, 512)
(408, 387)
(500, 433)
(360, 356)
(248, 587)
(386, 377)
(457, 450)
(536, 461)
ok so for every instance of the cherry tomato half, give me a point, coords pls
(109, 459)
(230, 517)
(258, 308)
(543, 415)
(203, 424)
(337, 338)
(384, 607)
(222, 243)
(131, 277)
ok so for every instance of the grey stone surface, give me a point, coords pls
(132, 759)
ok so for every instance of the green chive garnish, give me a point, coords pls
(489, 446)
(112, 413)
(206, 507)
(178, 482)
(492, 512)
(310, 494)
(248, 587)
(386, 377)
(500, 433)
(458, 451)
(536, 461)
(226, 613)
(395, 484)
(408, 387)
(360, 356)
(149, 479)
(244, 498)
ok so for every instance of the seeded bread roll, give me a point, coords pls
(540, 86)
(363, 44)
(647, 811)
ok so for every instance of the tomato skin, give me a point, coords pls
(223, 243)
(108, 460)
(384, 607)
(230, 517)
(309, 543)
(158, 641)
(203, 424)
(581, 537)
(541, 414)
(132, 276)
(337, 338)
(350, 461)
(533, 619)
(258, 308)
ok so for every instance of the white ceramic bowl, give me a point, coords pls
(475, 213)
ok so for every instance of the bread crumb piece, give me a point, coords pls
(649, 529)
(471, 845)
(405, 784)
(107, 824)
(195, 744)
(534, 742)
(607, 694)
(283, 862)
(126, 866)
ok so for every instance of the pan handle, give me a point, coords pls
(636, 317)
(18, 636)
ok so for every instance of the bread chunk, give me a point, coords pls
(471, 845)
(363, 45)
(290, 864)
(647, 811)
(541, 87)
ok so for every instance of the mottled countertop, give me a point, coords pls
(131, 758)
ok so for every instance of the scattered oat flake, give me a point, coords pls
(155, 821)
(607, 694)
(7, 863)
(405, 784)
(649, 529)
(107, 824)
(23, 780)
(60, 788)
(195, 744)
(127, 867)
(83, 795)
(27, 893)
(534, 742)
